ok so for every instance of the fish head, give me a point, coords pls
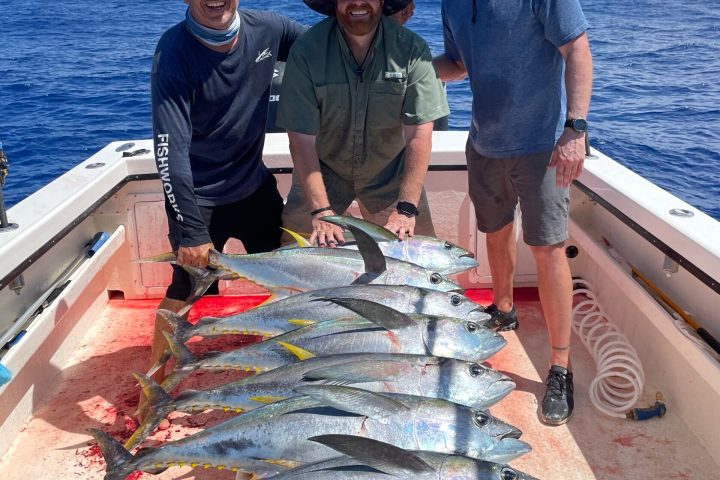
(487, 437)
(461, 339)
(474, 384)
(461, 260)
(434, 281)
(459, 467)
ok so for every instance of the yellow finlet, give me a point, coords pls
(302, 242)
(301, 322)
(267, 399)
(300, 353)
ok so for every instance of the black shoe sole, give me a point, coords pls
(562, 422)
(507, 328)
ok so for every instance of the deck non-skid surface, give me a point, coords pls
(96, 390)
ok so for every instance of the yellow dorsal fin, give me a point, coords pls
(301, 322)
(300, 353)
(267, 399)
(302, 242)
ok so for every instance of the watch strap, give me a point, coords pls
(408, 209)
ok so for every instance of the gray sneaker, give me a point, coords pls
(557, 405)
(501, 321)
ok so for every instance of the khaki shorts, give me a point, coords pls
(497, 185)
(296, 214)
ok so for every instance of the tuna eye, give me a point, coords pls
(476, 370)
(448, 245)
(471, 327)
(507, 474)
(455, 300)
(435, 278)
(481, 419)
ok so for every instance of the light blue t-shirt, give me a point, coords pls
(516, 71)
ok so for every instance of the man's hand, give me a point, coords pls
(194, 256)
(401, 225)
(326, 234)
(568, 157)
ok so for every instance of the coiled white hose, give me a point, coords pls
(620, 378)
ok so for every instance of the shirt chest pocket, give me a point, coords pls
(385, 104)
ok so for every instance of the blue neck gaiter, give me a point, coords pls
(215, 38)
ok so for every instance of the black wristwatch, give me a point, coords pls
(408, 209)
(580, 125)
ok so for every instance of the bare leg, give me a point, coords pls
(159, 344)
(501, 258)
(555, 289)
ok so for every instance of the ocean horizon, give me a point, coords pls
(75, 77)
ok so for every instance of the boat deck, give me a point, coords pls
(95, 390)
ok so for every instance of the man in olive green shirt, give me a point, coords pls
(358, 100)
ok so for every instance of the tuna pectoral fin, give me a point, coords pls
(117, 458)
(359, 372)
(354, 400)
(376, 232)
(379, 455)
(377, 313)
(371, 254)
(160, 404)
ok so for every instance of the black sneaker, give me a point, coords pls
(501, 321)
(557, 405)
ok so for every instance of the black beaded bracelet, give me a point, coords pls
(320, 210)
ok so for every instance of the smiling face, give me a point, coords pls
(216, 14)
(358, 17)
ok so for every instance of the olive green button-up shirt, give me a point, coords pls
(357, 112)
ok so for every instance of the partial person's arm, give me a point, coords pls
(418, 141)
(569, 153)
(449, 70)
(172, 134)
(307, 168)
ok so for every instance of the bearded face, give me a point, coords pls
(358, 17)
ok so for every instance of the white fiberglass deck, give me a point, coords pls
(95, 390)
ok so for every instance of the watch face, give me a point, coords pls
(580, 125)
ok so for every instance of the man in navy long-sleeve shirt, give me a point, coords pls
(211, 79)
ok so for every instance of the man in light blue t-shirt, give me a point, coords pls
(530, 71)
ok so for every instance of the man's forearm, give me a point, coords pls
(417, 158)
(307, 166)
(448, 70)
(578, 76)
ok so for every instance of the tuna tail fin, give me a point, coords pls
(200, 280)
(301, 241)
(182, 329)
(163, 257)
(184, 362)
(159, 405)
(379, 455)
(118, 460)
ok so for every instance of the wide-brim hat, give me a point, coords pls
(327, 7)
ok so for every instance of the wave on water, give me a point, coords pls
(75, 77)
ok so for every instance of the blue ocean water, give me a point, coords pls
(74, 76)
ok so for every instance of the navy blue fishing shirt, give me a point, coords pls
(209, 115)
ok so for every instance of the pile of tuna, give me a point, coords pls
(370, 369)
